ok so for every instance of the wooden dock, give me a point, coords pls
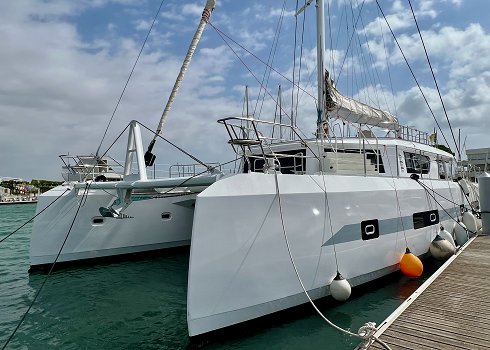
(451, 310)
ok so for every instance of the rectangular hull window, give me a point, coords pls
(425, 218)
(369, 229)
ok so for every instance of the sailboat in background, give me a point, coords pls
(304, 211)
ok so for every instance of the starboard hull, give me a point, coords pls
(240, 267)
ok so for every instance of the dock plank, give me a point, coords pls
(453, 312)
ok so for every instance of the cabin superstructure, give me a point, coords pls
(407, 152)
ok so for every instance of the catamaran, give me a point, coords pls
(304, 210)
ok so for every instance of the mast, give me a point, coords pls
(210, 4)
(320, 50)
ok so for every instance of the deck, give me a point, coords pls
(450, 311)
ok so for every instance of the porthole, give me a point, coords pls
(97, 220)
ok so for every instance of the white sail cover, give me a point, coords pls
(356, 112)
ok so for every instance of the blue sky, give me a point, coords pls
(64, 63)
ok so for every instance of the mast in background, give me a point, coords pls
(320, 50)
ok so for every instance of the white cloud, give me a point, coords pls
(59, 88)
(192, 9)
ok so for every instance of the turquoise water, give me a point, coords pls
(142, 304)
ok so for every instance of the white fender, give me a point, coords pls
(340, 288)
(447, 236)
(469, 221)
(448, 225)
(464, 186)
(460, 233)
(478, 223)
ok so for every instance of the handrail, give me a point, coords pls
(253, 142)
(88, 167)
(183, 170)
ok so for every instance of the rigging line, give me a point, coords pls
(270, 95)
(372, 60)
(467, 198)
(449, 186)
(273, 56)
(440, 205)
(49, 273)
(90, 171)
(340, 24)
(272, 53)
(368, 75)
(35, 216)
(251, 72)
(435, 80)
(324, 189)
(327, 207)
(411, 71)
(388, 66)
(224, 35)
(129, 77)
(365, 76)
(427, 188)
(208, 167)
(350, 40)
(301, 281)
(396, 192)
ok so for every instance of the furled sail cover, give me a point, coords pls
(354, 111)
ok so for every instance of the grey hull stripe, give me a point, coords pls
(352, 232)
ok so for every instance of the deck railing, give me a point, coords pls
(83, 168)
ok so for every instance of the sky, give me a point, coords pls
(63, 65)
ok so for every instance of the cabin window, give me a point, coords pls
(417, 163)
(291, 162)
(371, 156)
(446, 169)
(442, 169)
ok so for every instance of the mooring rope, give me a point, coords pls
(35, 216)
(50, 270)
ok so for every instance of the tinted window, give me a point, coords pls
(417, 163)
(425, 218)
(292, 162)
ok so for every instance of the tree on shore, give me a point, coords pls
(24, 187)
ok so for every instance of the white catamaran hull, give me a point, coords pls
(155, 222)
(240, 268)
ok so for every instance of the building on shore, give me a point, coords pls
(478, 161)
(4, 192)
(16, 190)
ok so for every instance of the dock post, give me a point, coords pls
(484, 189)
